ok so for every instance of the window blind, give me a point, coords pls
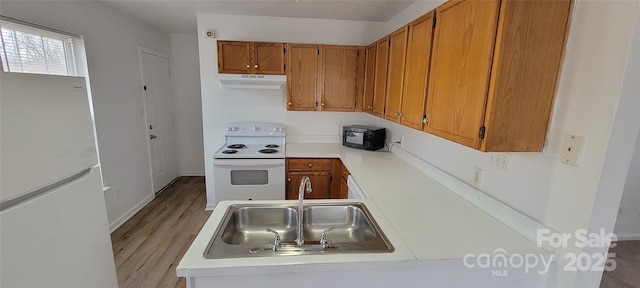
(32, 49)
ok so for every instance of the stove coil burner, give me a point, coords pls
(237, 146)
(272, 146)
(268, 151)
(229, 151)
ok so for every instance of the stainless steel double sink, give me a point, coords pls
(243, 230)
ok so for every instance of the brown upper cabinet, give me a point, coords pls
(322, 77)
(395, 74)
(380, 82)
(339, 78)
(493, 72)
(251, 57)
(416, 71)
(302, 76)
(369, 78)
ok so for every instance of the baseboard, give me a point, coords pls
(127, 215)
(627, 237)
(191, 173)
(210, 207)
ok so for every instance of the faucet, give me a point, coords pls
(305, 181)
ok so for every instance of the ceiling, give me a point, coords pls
(179, 16)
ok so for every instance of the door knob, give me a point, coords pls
(153, 137)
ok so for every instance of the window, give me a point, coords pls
(31, 50)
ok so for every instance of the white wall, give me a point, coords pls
(222, 105)
(628, 222)
(111, 41)
(185, 73)
(537, 184)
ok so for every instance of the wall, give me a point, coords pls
(537, 184)
(628, 222)
(588, 101)
(591, 71)
(188, 105)
(222, 105)
(111, 40)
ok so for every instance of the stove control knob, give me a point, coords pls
(255, 128)
(275, 129)
(232, 128)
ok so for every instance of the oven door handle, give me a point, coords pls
(247, 162)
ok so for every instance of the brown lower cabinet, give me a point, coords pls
(325, 175)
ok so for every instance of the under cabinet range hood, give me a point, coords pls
(251, 81)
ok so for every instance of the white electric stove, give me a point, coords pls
(251, 165)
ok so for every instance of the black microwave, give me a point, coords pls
(363, 137)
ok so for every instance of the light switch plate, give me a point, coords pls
(572, 146)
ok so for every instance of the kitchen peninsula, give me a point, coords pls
(431, 227)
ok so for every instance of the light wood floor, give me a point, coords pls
(148, 247)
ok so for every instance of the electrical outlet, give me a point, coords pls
(477, 177)
(571, 149)
(500, 161)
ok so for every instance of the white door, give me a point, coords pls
(158, 102)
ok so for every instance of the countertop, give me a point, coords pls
(422, 219)
(432, 220)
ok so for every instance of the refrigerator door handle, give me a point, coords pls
(6, 204)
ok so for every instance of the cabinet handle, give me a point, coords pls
(322, 104)
(255, 66)
(310, 165)
(289, 103)
(288, 179)
(248, 66)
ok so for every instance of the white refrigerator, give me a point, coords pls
(53, 220)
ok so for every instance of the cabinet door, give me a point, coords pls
(369, 78)
(460, 68)
(339, 74)
(416, 71)
(380, 87)
(233, 57)
(268, 58)
(395, 75)
(302, 74)
(360, 79)
(320, 185)
(524, 75)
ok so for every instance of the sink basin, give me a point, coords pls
(243, 230)
(248, 225)
(349, 221)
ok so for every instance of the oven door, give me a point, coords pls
(249, 179)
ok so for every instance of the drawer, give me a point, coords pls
(304, 164)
